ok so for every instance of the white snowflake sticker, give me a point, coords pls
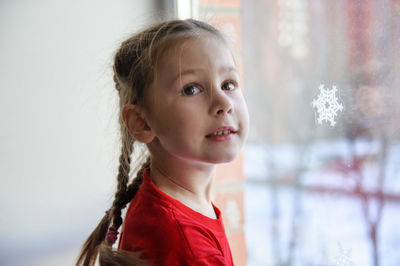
(327, 105)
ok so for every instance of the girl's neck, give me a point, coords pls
(189, 184)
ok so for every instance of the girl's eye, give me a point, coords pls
(190, 90)
(229, 86)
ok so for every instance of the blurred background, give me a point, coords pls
(301, 193)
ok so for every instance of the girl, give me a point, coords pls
(179, 95)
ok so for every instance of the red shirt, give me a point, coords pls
(168, 232)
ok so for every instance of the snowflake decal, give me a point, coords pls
(327, 105)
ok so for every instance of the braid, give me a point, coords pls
(90, 248)
(122, 178)
(137, 181)
(123, 198)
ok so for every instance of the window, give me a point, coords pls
(322, 164)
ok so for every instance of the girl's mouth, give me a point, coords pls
(220, 133)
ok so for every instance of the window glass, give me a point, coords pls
(322, 163)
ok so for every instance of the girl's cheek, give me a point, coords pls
(241, 103)
(244, 113)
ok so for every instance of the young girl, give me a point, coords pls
(179, 95)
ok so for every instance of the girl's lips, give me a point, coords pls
(221, 138)
(222, 133)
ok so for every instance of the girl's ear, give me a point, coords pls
(136, 123)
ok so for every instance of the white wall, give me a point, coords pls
(58, 131)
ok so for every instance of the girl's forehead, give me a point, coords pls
(200, 49)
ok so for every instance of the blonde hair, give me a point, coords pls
(134, 72)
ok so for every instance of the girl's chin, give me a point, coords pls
(225, 158)
(215, 156)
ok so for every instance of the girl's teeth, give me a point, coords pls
(223, 132)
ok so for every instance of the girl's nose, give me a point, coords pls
(221, 103)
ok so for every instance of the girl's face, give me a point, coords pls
(196, 107)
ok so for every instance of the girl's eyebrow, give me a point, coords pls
(188, 72)
(221, 70)
(183, 73)
(225, 69)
